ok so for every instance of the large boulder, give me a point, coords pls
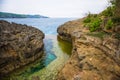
(19, 45)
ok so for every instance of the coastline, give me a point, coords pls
(19, 45)
(93, 57)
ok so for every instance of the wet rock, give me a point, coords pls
(19, 45)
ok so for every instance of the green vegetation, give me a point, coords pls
(116, 20)
(97, 34)
(11, 15)
(117, 8)
(87, 20)
(106, 20)
(109, 24)
(95, 24)
(92, 22)
(117, 36)
(108, 12)
(116, 11)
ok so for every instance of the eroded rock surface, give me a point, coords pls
(19, 45)
(95, 56)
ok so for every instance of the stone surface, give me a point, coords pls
(94, 57)
(19, 45)
(117, 29)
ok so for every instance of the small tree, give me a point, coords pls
(117, 8)
(116, 4)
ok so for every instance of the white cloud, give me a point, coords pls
(54, 8)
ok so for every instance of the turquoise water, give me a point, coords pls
(57, 51)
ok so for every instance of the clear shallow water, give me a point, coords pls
(57, 51)
(47, 67)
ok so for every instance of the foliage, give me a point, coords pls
(11, 15)
(117, 36)
(87, 20)
(93, 22)
(108, 12)
(112, 2)
(116, 20)
(116, 11)
(97, 22)
(97, 34)
(109, 24)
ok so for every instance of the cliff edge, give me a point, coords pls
(19, 45)
(95, 55)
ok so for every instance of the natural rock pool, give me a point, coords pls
(57, 53)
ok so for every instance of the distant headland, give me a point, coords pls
(13, 15)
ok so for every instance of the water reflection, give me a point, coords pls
(65, 46)
(57, 52)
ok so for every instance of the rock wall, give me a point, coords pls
(94, 57)
(19, 45)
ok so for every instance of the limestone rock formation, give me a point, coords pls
(19, 45)
(95, 56)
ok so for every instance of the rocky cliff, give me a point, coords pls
(19, 45)
(95, 55)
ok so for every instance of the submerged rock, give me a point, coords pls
(19, 45)
(95, 56)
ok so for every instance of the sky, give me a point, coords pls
(54, 8)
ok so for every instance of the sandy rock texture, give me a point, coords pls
(95, 56)
(19, 45)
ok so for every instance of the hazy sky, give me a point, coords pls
(53, 8)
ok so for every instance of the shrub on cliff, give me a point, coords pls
(117, 8)
(92, 22)
(116, 11)
(87, 20)
(106, 20)
(117, 36)
(108, 12)
(109, 24)
(95, 24)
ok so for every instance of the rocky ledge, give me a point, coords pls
(95, 56)
(19, 45)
